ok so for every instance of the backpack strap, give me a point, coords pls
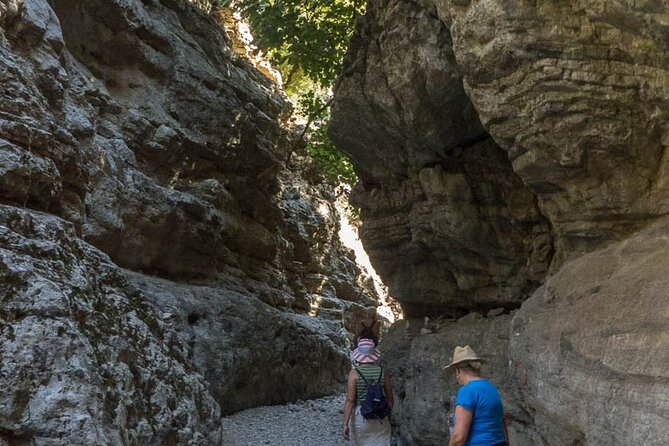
(362, 376)
(378, 381)
(367, 383)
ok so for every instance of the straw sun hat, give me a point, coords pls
(366, 352)
(463, 354)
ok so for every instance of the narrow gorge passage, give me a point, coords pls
(172, 194)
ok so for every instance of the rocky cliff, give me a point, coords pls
(160, 262)
(510, 153)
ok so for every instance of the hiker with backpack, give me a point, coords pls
(479, 415)
(369, 398)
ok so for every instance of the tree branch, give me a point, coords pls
(310, 121)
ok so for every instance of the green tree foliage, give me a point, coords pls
(310, 36)
(335, 166)
(306, 40)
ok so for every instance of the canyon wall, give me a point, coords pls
(161, 263)
(511, 156)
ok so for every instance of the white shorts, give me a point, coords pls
(369, 432)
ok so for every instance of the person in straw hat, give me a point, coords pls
(361, 431)
(478, 406)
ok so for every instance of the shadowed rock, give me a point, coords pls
(576, 93)
(497, 142)
(133, 129)
(448, 224)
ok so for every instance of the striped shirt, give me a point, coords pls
(371, 374)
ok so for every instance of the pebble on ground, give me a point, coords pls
(304, 423)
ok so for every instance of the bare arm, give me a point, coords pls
(506, 419)
(463, 419)
(350, 401)
(388, 389)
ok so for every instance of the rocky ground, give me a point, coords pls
(304, 423)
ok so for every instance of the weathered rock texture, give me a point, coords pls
(423, 397)
(590, 350)
(448, 223)
(160, 263)
(496, 142)
(83, 355)
(577, 94)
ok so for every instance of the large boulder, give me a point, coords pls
(249, 353)
(590, 348)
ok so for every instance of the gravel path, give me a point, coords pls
(305, 423)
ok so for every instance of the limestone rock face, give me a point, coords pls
(83, 355)
(590, 348)
(498, 143)
(161, 263)
(576, 99)
(447, 222)
(249, 353)
(423, 388)
(576, 93)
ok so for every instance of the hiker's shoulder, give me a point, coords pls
(480, 386)
(484, 383)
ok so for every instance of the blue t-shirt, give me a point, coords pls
(480, 397)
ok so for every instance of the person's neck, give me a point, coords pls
(468, 378)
